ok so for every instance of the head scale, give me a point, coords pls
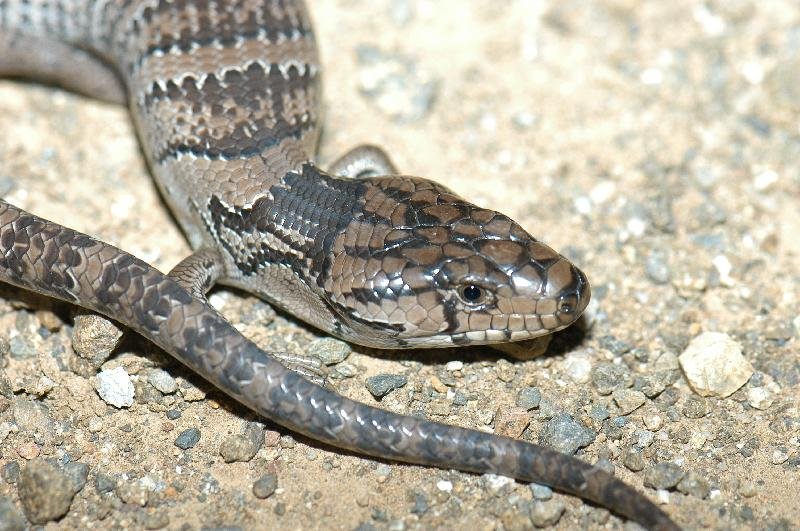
(418, 266)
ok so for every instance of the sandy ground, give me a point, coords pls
(655, 143)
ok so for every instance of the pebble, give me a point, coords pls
(695, 408)
(78, 474)
(383, 384)
(760, 397)
(511, 421)
(188, 438)
(329, 351)
(11, 518)
(748, 489)
(663, 476)
(95, 425)
(546, 513)
(657, 267)
(157, 520)
(163, 381)
(104, 483)
(190, 392)
(565, 434)
(607, 377)
(453, 366)
(344, 370)
(271, 438)
(628, 400)
(115, 387)
(714, 365)
(265, 486)
(634, 460)
(45, 492)
(28, 450)
(599, 412)
(540, 492)
(524, 120)
(135, 493)
(779, 455)
(643, 438)
(652, 421)
(243, 447)
(21, 347)
(94, 338)
(421, 504)
(529, 398)
(444, 486)
(401, 11)
(438, 385)
(578, 367)
(10, 472)
(32, 417)
(695, 485)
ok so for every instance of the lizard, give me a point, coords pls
(224, 95)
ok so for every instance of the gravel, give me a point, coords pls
(163, 381)
(714, 365)
(265, 486)
(565, 434)
(78, 474)
(529, 398)
(95, 338)
(383, 384)
(608, 377)
(511, 421)
(546, 513)
(329, 351)
(541, 492)
(115, 387)
(45, 491)
(188, 438)
(11, 518)
(628, 400)
(663, 476)
(243, 447)
(10, 472)
(694, 484)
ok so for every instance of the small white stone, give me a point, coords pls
(636, 226)
(115, 387)
(714, 365)
(583, 205)
(779, 456)
(453, 366)
(724, 268)
(760, 397)
(652, 421)
(651, 76)
(765, 179)
(578, 367)
(602, 192)
(95, 424)
(444, 486)
(753, 72)
(496, 482)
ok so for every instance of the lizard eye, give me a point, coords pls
(473, 295)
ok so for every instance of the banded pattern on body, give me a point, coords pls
(225, 97)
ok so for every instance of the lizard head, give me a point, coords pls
(420, 267)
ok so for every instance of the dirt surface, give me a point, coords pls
(655, 143)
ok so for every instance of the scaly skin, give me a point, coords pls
(224, 97)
